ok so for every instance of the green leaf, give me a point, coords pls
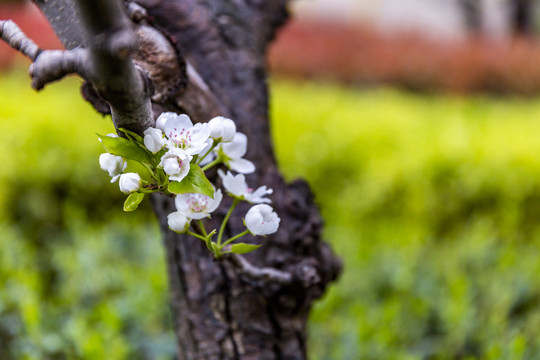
(133, 135)
(195, 182)
(243, 248)
(133, 200)
(126, 149)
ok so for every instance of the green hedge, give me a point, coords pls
(433, 203)
(80, 278)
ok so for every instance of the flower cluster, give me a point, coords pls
(172, 159)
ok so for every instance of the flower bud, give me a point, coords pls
(153, 140)
(262, 220)
(112, 164)
(129, 182)
(178, 222)
(176, 163)
(221, 127)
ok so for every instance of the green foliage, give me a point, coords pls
(194, 182)
(243, 248)
(80, 278)
(133, 200)
(126, 149)
(433, 202)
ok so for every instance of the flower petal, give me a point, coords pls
(173, 126)
(262, 220)
(237, 148)
(235, 185)
(163, 118)
(200, 133)
(242, 166)
(178, 222)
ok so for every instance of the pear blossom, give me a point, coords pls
(163, 118)
(178, 222)
(232, 153)
(197, 206)
(175, 163)
(222, 128)
(129, 182)
(153, 139)
(236, 185)
(262, 220)
(112, 164)
(183, 135)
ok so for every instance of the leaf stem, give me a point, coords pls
(197, 236)
(201, 227)
(225, 220)
(236, 237)
(149, 169)
(214, 144)
(213, 163)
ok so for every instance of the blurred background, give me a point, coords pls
(416, 122)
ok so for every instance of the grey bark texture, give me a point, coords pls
(207, 58)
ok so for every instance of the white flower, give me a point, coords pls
(112, 164)
(222, 128)
(237, 186)
(175, 163)
(183, 135)
(197, 206)
(178, 222)
(129, 182)
(233, 152)
(262, 220)
(153, 139)
(163, 118)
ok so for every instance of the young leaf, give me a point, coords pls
(195, 182)
(133, 200)
(243, 248)
(125, 148)
(133, 135)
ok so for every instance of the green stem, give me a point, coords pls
(238, 236)
(213, 163)
(224, 223)
(214, 144)
(152, 173)
(197, 236)
(201, 227)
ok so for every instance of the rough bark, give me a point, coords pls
(207, 58)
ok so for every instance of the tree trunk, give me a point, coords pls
(522, 17)
(208, 58)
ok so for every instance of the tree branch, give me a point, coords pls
(107, 35)
(65, 20)
(111, 41)
(257, 273)
(53, 65)
(14, 37)
(49, 65)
